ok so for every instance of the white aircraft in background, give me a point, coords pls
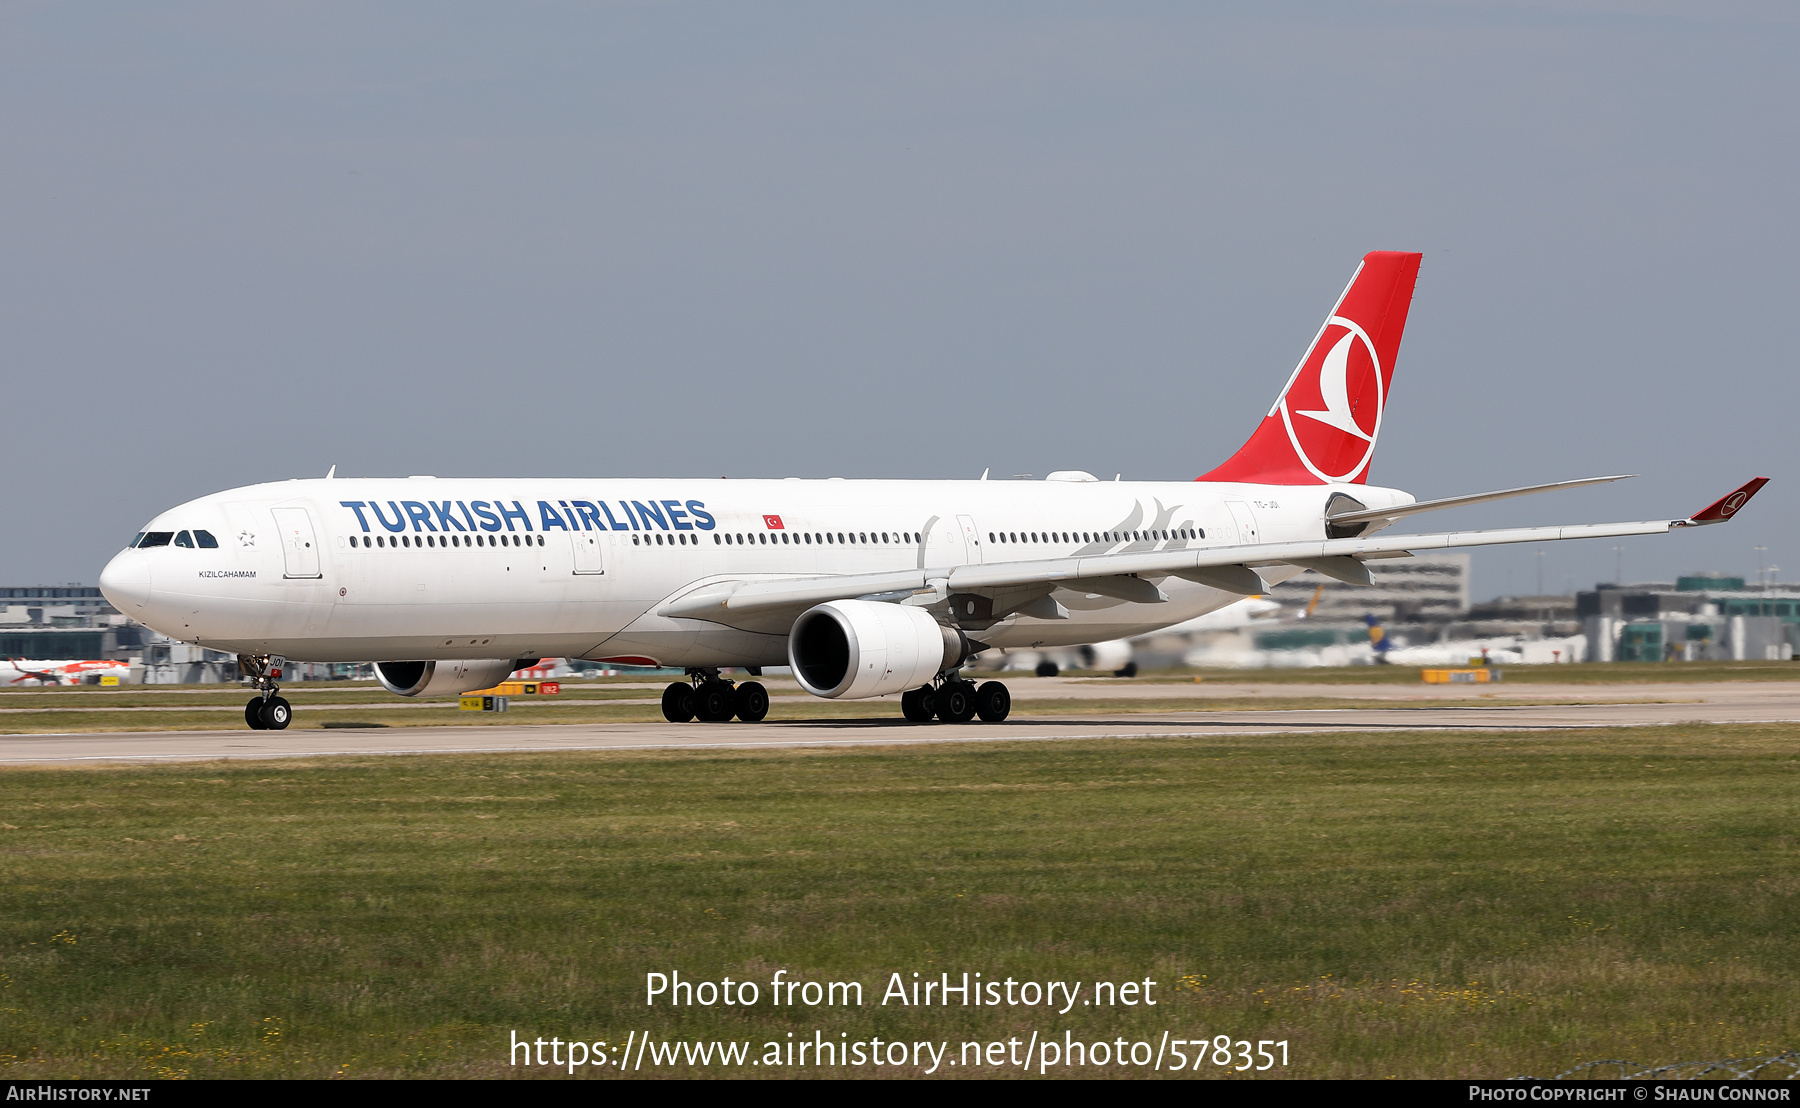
(865, 588)
(16, 672)
(1120, 655)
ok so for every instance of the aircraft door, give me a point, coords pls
(1246, 521)
(971, 539)
(587, 551)
(299, 545)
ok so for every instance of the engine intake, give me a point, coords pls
(445, 678)
(850, 649)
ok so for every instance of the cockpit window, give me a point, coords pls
(205, 540)
(135, 541)
(184, 539)
(155, 538)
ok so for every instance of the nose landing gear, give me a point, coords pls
(267, 711)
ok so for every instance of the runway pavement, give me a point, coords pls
(1404, 708)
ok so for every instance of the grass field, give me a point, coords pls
(1415, 905)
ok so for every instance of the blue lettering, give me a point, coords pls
(550, 517)
(569, 514)
(419, 514)
(702, 518)
(647, 514)
(590, 516)
(628, 514)
(517, 511)
(444, 517)
(676, 515)
(489, 521)
(616, 525)
(466, 515)
(399, 523)
(357, 507)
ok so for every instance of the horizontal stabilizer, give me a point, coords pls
(1400, 511)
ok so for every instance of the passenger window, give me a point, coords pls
(184, 539)
(156, 538)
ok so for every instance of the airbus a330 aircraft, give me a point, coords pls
(866, 588)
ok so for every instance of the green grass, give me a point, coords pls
(1414, 905)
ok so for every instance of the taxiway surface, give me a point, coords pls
(1403, 709)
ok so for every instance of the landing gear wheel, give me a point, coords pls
(276, 714)
(1129, 669)
(956, 702)
(713, 702)
(993, 703)
(918, 704)
(678, 702)
(752, 701)
(253, 715)
(1048, 669)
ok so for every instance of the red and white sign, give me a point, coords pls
(773, 523)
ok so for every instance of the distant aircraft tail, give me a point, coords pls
(1324, 425)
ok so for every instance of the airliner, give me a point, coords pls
(19, 671)
(866, 588)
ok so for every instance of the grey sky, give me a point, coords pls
(247, 242)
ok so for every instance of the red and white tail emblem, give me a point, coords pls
(1323, 426)
(773, 523)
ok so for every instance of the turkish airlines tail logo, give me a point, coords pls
(1323, 426)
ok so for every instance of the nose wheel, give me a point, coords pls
(268, 711)
(273, 714)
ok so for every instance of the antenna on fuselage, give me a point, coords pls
(984, 473)
(332, 472)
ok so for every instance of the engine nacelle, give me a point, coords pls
(849, 649)
(445, 678)
(1114, 655)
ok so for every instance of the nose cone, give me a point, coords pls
(125, 582)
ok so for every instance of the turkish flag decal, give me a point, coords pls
(773, 523)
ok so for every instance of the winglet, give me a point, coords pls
(1727, 506)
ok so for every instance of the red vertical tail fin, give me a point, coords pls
(1324, 425)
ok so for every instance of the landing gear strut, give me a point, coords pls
(268, 710)
(709, 698)
(955, 700)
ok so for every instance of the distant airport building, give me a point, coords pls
(65, 622)
(1701, 617)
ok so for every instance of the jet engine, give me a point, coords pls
(849, 649)
(445, 678)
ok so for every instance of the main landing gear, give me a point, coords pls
(268, 711)
(955, 700)
(710, 698)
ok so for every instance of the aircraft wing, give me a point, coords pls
(1225, 567)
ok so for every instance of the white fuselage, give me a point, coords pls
(422, 568)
